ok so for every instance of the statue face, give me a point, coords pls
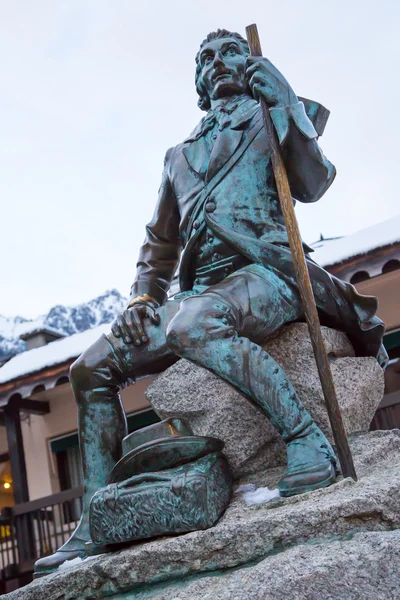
(223, 68)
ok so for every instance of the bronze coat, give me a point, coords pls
(243, 210)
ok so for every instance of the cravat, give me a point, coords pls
(220, 116)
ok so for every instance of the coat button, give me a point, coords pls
(196, 225)
(210, 239)
(216, 256)
(210, 206)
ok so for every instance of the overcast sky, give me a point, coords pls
(93, 92)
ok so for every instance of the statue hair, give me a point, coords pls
(204, 99)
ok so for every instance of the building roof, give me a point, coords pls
(334, 251)
(54, 353)
(42, 329)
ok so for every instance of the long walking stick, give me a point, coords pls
(303, 279)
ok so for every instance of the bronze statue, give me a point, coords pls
(218, 213)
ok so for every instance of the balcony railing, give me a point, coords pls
(37, 528)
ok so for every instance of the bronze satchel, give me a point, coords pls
(187, 498)
(168, 481)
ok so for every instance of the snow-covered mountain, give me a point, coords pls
(65, 319)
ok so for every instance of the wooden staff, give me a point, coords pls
(303, 279)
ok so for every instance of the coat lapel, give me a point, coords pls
(229, 139)
(196, 150)
(197, 156)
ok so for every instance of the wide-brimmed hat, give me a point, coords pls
(171, 427)
(164, 445)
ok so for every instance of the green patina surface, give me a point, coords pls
(189, 497)
(218, 213)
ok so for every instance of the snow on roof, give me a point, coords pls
(43, 329)
(52, 354)
(331, 252)
(27, 326)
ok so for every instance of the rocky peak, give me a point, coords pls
(65, 319)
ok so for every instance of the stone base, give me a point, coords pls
(366, 566)
(215, 408)
(341, 542)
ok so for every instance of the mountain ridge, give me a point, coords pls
(65, 319)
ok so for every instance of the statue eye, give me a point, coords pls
(207, 59)
(232, 50)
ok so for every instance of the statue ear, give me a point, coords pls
(204, 99)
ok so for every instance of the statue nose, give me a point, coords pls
(218, 59)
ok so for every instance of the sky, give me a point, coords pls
(93, 93)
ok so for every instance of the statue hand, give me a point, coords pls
(130, 324)
(266, 81)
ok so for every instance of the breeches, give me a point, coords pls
(247, 306)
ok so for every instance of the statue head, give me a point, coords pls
(220, 67)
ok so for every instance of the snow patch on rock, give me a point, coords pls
(254, 495)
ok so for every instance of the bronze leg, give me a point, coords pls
(96, 378)
(222, 329)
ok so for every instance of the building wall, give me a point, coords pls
(6, 496)
(387, 289)
(37, 432)
(372, 264)
(3, 440)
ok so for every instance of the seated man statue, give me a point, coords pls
(218, 213)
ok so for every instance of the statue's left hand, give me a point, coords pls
(266, 81)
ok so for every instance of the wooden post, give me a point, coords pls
(16, 451)
(24, 526)
(303, 279)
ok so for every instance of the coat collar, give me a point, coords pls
(195, 148)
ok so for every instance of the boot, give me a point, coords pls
(311, 462)
(73, 548)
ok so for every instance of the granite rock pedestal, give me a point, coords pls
(215, 408)
(337, 543)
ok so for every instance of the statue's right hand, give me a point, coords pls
(130, 324)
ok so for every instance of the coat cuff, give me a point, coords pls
(282, 115)
(149, 288)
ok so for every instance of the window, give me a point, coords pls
(66, 449)
(391, 265)
(359, 276)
